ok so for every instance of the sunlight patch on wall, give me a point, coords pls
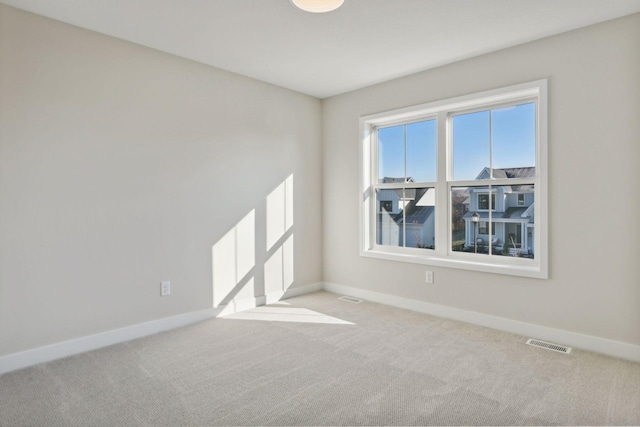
(233, 258)
(279, 211)
(273, 273)
(287, 263)
(278, 270)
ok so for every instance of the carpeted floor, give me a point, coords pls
(315, 360)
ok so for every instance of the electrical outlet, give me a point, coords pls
(429, 277)
(165, 288)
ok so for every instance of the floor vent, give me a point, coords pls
(350, 299)
(549, 346)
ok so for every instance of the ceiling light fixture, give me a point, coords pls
(317, 6)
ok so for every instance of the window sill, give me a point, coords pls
(509, 266)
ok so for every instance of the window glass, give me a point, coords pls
(407, 153)
(512, 224)
(411, 221)
(421, 151)
(460, 202)
(513, 141)
(498, 143)
(391, 153)
(471, 147)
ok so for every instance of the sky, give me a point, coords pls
(506, 136)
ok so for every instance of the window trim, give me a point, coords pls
(443, 110)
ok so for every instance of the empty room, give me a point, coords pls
(319, 212)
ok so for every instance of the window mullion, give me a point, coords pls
(373, 181)
(442, 219)
(490, 145)
(404, 190)
(492, 203)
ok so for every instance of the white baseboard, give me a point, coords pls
(248, 303)
(294, 292)
(572, 339)
(23, 359)
(15, 361)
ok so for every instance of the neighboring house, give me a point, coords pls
(512, 216)
(406, 217)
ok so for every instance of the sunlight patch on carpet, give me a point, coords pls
(287, 314)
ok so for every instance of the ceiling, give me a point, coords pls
(362, 43)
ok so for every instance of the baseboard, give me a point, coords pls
(15, 361)
(294, 292)
(572, 339)
(248, 303)
(23, 359)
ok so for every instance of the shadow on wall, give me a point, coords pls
(236, 275)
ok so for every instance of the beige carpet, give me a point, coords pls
(315, 360)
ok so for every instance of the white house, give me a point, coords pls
(511, 214)
(406, 216)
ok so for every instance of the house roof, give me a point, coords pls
(514, 212)
(524, 172)
(527, 188)
(413, 213)
(416, 214)
(510, 213)
(392, 180)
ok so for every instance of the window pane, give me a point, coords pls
(405, 217)
(514, 222)
(471, 145)
(513, 139)
(388, 210)
(468, 235)
(421, 151)
(460, 237)
(391, 154)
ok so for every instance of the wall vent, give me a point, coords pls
(350, 299)
(549, 346)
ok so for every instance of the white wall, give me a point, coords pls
(594, 157)
(121, 166)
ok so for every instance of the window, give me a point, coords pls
(483, 202)
(386, 206)
(459, 183)
(483, 228)
(405, 175)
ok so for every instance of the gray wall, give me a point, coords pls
(594, 171)
(121, 166)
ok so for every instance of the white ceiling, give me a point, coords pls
(362, 43)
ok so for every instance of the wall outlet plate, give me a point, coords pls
(429, 277)
(165, 288)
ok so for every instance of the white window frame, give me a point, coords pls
(443, 110)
